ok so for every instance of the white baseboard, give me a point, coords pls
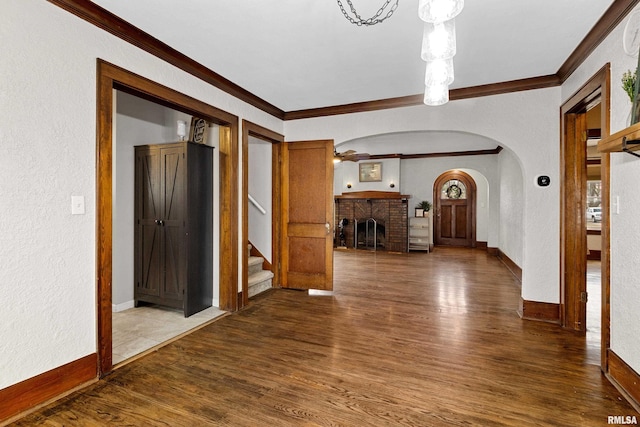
(115, 308)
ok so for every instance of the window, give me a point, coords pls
(453, 189)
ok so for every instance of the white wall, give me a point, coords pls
(349, 173)
(524, 122)
(625, 227)
(48, 274)
(512, 235)
(260, 188)
(419, 176)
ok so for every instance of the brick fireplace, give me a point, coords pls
(388, 209)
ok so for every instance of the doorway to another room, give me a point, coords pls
(584, 219)
(112, 79)
(137, 329)
(454, 196)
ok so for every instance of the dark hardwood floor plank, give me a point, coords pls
(405, 339)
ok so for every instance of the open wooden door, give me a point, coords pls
(307, 215)
(573, 232)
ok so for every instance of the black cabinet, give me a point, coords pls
(174, 225)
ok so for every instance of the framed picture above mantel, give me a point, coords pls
(370, 172)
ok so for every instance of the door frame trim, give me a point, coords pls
(599, 82)
(276, 140)
(471, 201)
(110, 77)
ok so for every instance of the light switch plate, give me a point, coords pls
(77, 205)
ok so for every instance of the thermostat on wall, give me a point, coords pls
(543, 180)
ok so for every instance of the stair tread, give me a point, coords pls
(253, 260)
(260, 276)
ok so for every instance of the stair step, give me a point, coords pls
(260, 282)
(260, 276)
(255, 264)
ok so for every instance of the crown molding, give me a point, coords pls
(618, 10)
(120, 28)
(115, 25)
(412, 100)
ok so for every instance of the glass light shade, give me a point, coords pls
(436, 94)
(435, 11)
(182, 129)
(439, 41)
(439, 72)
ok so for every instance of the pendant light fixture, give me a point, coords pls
(439, 41)
(435, 11)
(438, 47)
(439, 71)
(435, 94)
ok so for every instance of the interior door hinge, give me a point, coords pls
(583, 297)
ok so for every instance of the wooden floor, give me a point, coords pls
(406, 339)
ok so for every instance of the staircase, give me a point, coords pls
(259, 280)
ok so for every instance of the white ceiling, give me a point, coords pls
(301, 54)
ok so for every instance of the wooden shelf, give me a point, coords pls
(627, 140)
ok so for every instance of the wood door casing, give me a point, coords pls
(455, 219)
(307, 215)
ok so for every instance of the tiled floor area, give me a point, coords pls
(139, 329)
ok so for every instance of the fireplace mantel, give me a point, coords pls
(373, 195)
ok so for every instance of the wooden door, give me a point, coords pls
(573, 207)
(307, 215)
(173, 187)
(454, 198)
(147, 230)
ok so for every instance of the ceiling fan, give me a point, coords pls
(349, 156)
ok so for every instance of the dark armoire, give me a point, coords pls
(174, 226)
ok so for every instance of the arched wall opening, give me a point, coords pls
(412, 161)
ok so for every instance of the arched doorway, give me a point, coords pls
(454, 194)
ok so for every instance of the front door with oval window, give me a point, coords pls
(454, 197)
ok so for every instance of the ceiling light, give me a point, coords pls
(436, 94)
(439, 41)
(439, 72)
(438, 47)
(435, 11)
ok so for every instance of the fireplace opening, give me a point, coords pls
(369, 234)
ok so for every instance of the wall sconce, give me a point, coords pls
(182, 129)
(349, 185)
(392, 185)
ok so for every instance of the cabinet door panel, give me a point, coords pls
(173, 191)
(148, 259)
(173, 277)
(147, 232)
